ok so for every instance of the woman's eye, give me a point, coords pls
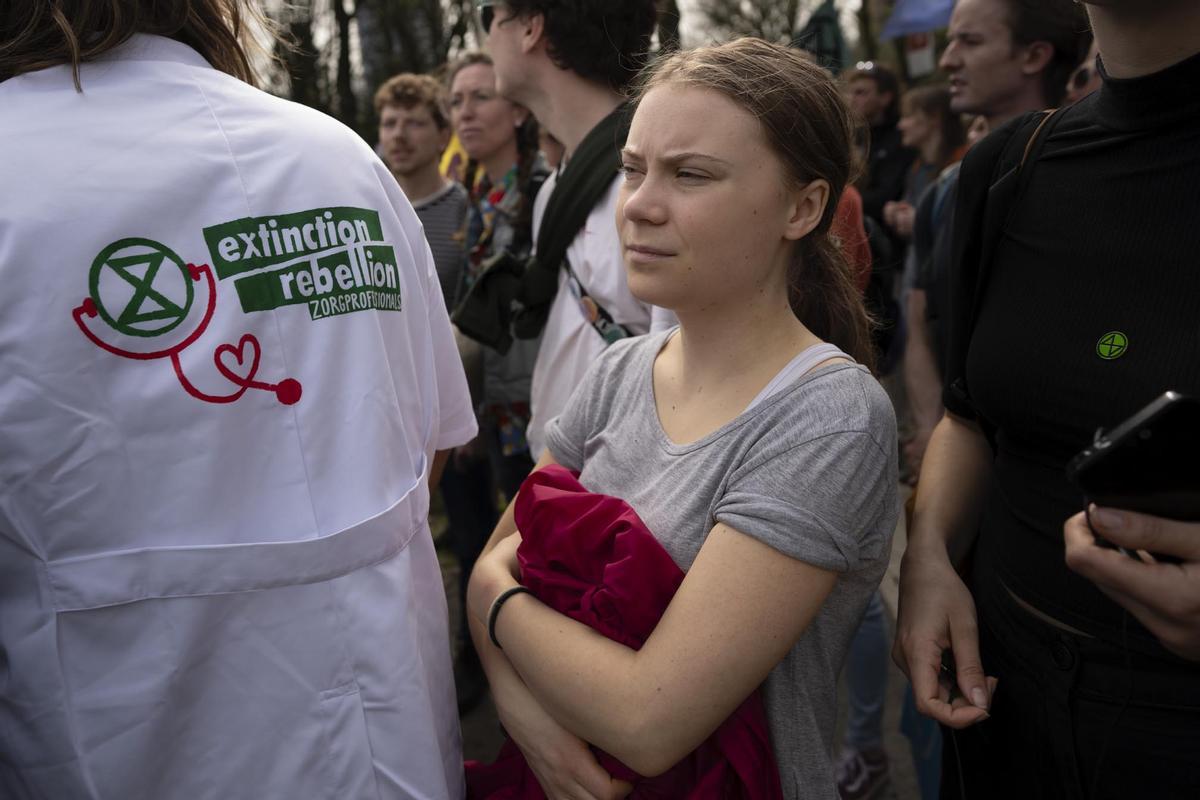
(628, 170)
(688, 175)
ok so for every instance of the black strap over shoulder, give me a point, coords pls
(580, 186)
(981, 217)
(513, 298)
(1009, 180)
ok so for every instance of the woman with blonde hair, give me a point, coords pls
(752, 440)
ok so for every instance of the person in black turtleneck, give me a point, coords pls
(1004, 58)
(1097, 656)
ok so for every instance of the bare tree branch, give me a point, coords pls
(772, 20)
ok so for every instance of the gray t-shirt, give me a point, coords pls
(810, 471)
(443, 216)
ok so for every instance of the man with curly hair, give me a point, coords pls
(414, 131)
(568, 62)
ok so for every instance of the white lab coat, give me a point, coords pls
(216, 574)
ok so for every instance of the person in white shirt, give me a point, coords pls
(227, 378)
(568, 63)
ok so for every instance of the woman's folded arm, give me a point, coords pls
(740, 609)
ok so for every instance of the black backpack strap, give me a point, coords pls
(513, 297)
(981, 217)
(1009, 181)
(580, 186)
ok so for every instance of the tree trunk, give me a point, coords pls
(793, 18)
(668, 26)
(866, 34)
(347, 102)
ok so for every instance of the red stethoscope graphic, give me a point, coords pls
(287, 391)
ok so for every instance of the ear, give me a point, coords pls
(1037, 57)
(534, 26)
(807, 207)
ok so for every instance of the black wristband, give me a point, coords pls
(494, 611)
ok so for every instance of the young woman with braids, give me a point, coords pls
(503, 173)
(752, 440)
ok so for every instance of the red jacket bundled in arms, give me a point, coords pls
(592, 558)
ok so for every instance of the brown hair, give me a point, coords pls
(810, 129)
(467, 59)
(934, 102)
(885, 81)
(409, 90)
(1063, 24)
(36, 34)
(603, 42)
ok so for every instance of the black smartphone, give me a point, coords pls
(1150, 463)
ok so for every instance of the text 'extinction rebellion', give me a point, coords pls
(335, 260)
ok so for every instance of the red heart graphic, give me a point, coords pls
(245, 377)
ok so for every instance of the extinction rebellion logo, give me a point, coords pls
(333, 260)
(155, 305)
(157, 288)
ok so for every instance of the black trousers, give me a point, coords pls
(471, 511)
(1074, 718)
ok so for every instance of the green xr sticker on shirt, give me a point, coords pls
(334, 260)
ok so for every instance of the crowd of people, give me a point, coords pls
(672, 338)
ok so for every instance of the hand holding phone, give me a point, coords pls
(1150, 463)
(1164, 597)
(1144, 478)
